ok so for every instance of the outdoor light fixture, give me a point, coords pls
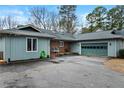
(110, 44)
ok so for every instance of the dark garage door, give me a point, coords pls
(94, 49)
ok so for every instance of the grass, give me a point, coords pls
(115, 64)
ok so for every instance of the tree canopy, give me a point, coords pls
(101, 18)
(67, 18)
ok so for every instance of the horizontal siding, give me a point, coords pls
(16, 48)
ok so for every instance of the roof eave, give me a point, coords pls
(26, 35)
(64, 39)
(100, 39)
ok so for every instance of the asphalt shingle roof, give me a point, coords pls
(98, 35)
(60, 35)
(120, 32)
(25, 33)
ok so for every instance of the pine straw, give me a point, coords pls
(2, 62)
(115, 64)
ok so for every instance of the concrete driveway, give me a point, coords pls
(71, 72)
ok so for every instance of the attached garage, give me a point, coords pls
(94, 49)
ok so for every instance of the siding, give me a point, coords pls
(119, 45)
(2, 46)
(76, 47)
(112, 51)
(16, 48)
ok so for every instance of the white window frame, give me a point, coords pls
(31, 44)
(61, 43)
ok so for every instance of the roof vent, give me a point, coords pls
(113, 31)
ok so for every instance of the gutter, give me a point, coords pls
(100, 39)
(27, 35)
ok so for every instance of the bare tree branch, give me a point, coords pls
(8, 22)
(44, 19)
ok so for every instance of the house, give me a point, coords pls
(23, 43)
(27, 42)
(100, 43)
(61, 44)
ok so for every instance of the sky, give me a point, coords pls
(20, 12)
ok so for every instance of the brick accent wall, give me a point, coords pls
(62, 50)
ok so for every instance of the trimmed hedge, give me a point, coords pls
(121, 53)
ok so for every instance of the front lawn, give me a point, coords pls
(115, 64)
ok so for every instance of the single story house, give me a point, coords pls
(23, 43)
(61, 44)
(100, 43)
(26, 42)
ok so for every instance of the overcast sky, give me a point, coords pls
(21, 12)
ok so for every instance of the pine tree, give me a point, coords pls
(67, 18)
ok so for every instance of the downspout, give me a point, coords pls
(4, 49)
(115, 48)
(9, 59)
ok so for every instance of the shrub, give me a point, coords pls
(48, 56)
(42, 55)
(121, 53)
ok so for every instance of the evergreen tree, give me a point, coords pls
(100, 17)
(67, 18)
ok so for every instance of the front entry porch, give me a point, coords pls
(59, 48)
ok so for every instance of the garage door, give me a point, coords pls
(94, 49)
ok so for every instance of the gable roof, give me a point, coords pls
(23, 27)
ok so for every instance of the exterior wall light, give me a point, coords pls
(110, 44)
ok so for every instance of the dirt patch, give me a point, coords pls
(115, 64)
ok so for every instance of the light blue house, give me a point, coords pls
(23, 43)
(26, 42)
(100, 43)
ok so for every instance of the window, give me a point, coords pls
(98, 47)
(34, 44)
(82, 46)
(101, 47)
(28, 44)
(94, 47)
(31, 44)
(90, 47)
(61, 44)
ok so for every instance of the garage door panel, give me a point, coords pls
(94, 49)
